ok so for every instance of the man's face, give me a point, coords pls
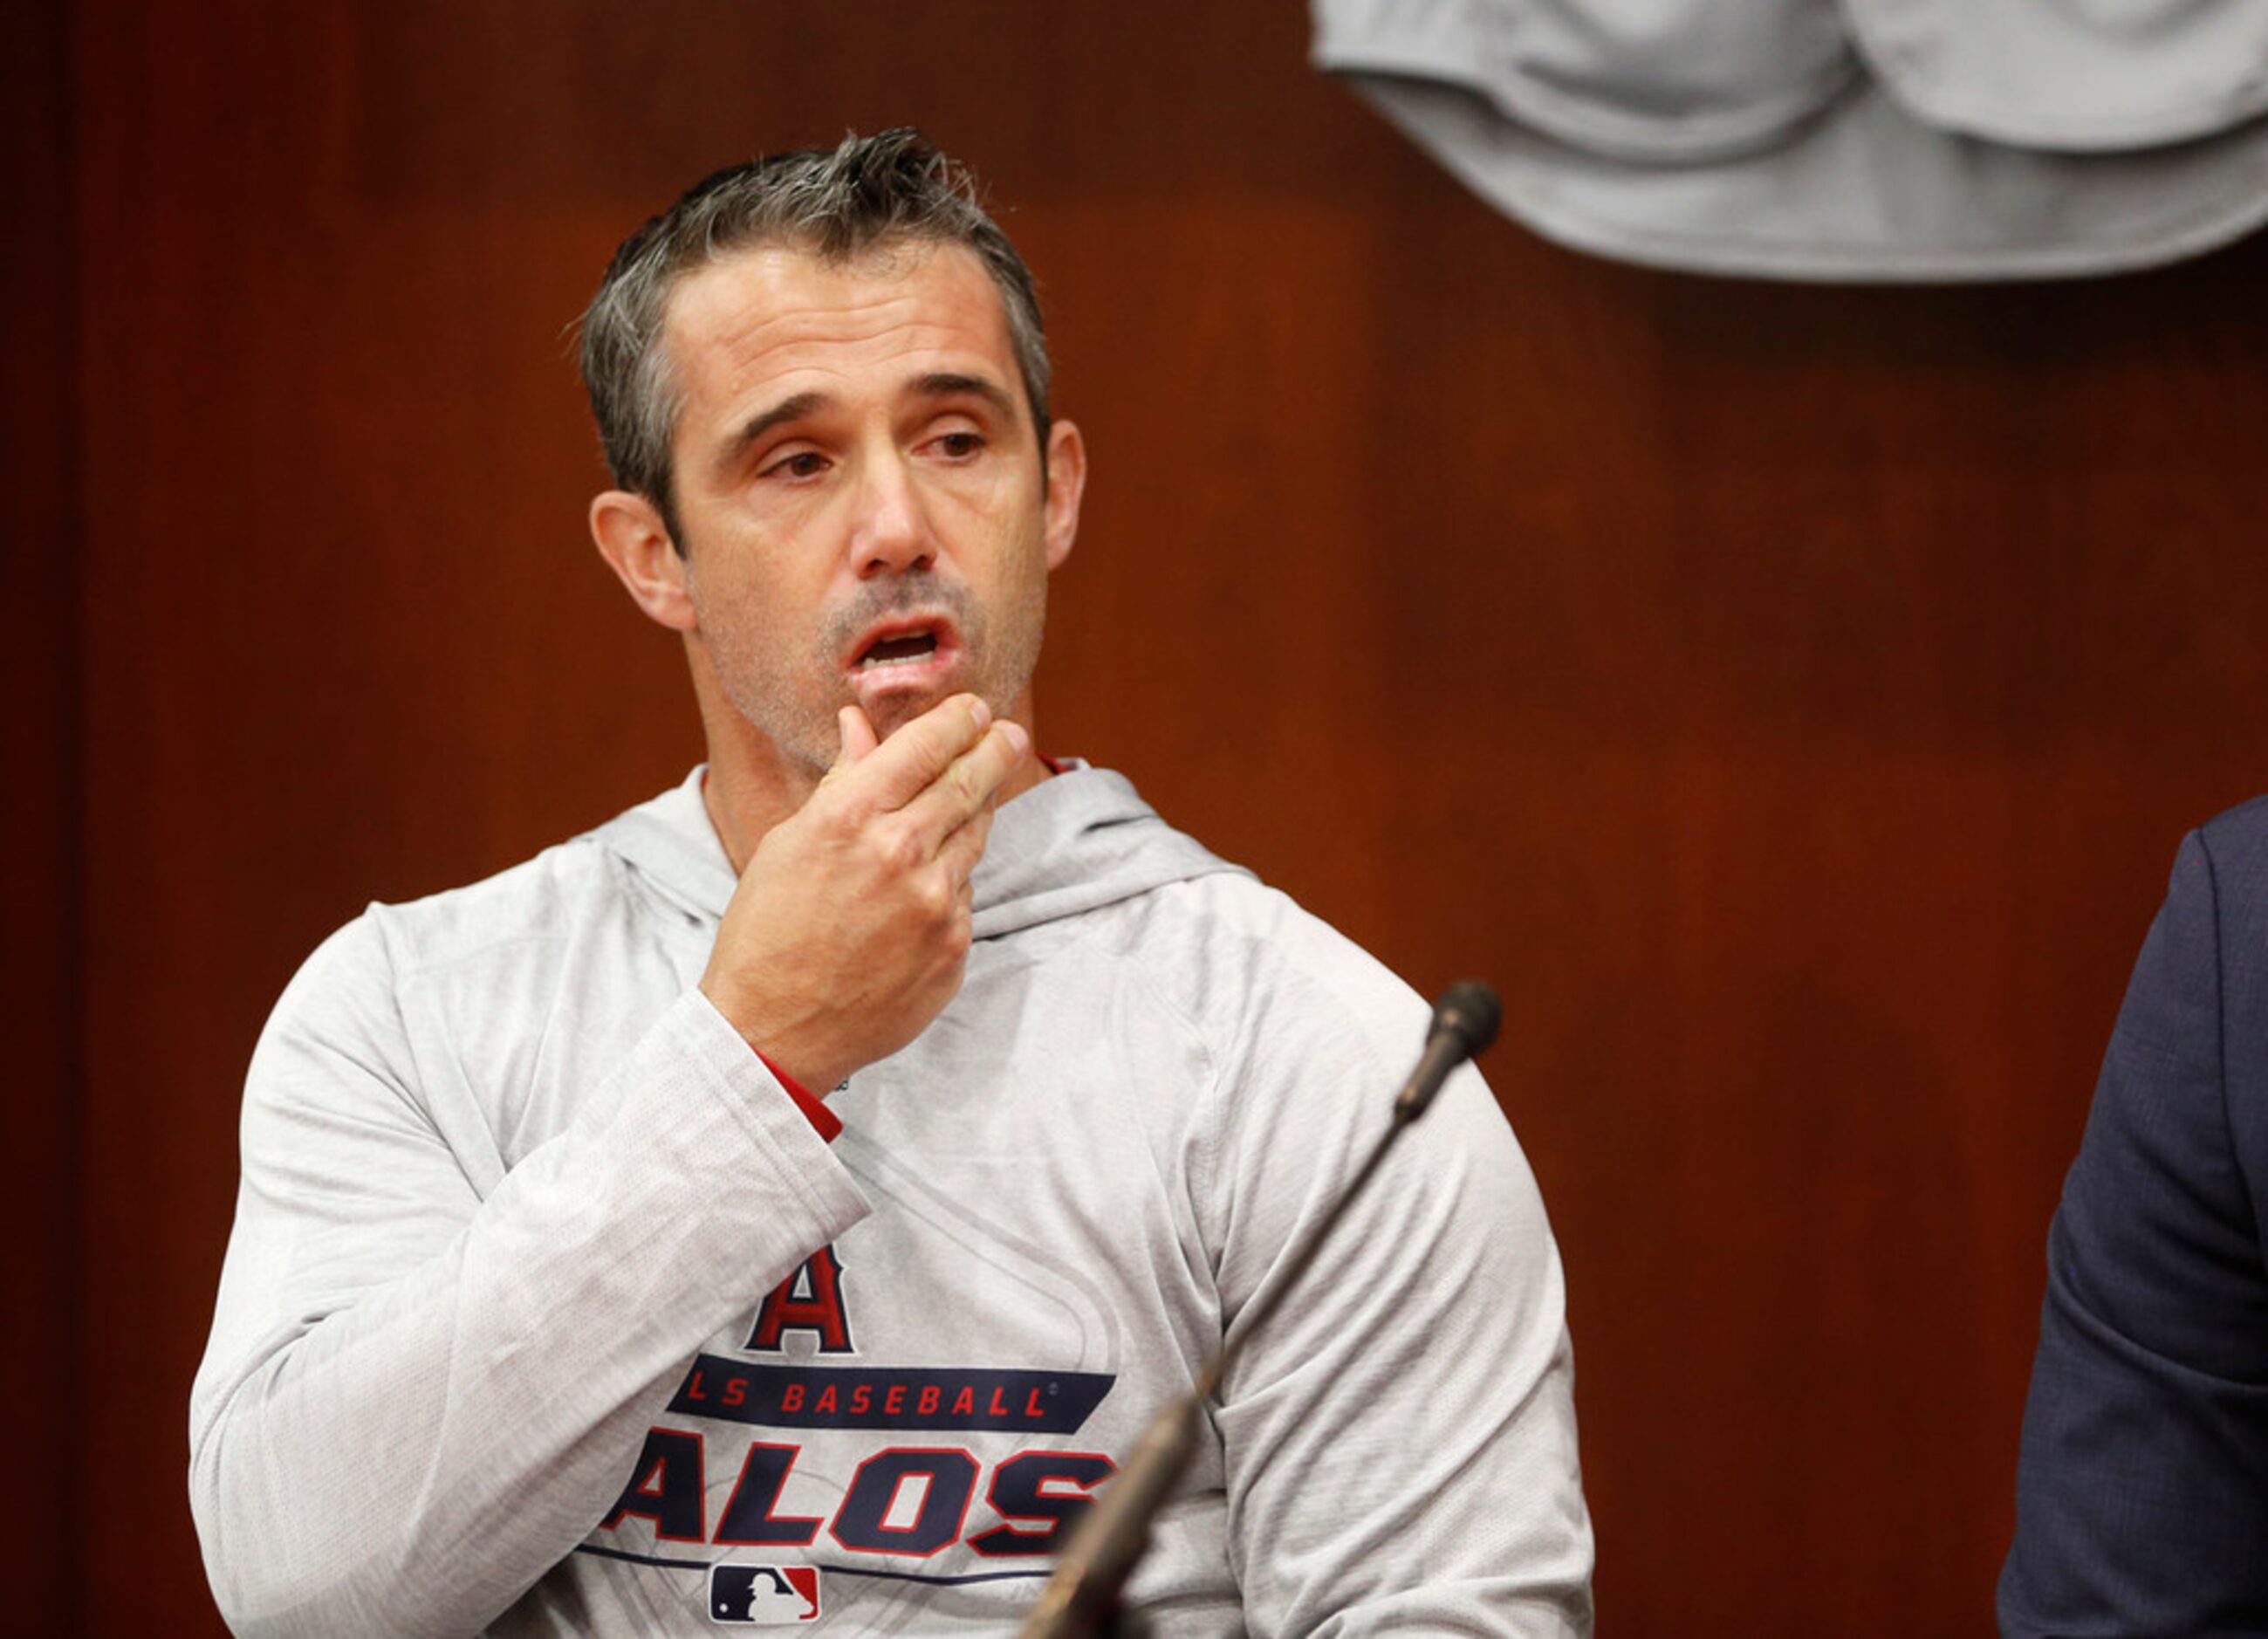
(859, 488)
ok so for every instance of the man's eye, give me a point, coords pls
(802, 464)
(960, 445)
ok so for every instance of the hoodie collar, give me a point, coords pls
(1081, 840)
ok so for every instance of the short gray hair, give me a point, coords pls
(864, 195)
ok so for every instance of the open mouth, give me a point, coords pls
(904, 644)
(900, 650)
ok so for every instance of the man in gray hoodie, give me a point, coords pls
(785, 1203)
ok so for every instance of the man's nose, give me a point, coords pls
(890, 534)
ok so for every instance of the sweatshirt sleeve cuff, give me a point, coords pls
(824, 1121)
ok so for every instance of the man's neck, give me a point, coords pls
(743, 806)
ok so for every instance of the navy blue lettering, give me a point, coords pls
(1056, 1487)
(948, 1479)
(748, 1516)
(667, 1488)
(945, 1400)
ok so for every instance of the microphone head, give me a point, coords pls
(1470, 1011)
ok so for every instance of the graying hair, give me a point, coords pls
(864, 195)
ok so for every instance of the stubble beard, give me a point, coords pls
(794, 707)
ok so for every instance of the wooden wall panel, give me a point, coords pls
(41, 1545)
(1791, 697)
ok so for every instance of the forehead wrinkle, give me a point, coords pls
(772, 320)
(857, 300)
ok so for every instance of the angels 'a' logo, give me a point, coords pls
(810, 1299)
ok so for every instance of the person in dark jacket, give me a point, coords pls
(2142, 1486)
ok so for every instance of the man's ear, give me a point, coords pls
(635, 545)
(1066, 483)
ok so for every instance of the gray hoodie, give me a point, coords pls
(548, 1310)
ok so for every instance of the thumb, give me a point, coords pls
(859, 736)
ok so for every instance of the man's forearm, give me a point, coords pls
(404, 1422)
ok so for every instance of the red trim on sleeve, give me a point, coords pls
(823, 1120)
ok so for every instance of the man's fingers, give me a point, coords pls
(910, 761)
(970, 784)
(959, 852)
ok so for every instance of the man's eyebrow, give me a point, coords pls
(792, 408)
(949, 384)
(937, 384)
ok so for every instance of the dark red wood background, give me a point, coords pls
(1791, 697)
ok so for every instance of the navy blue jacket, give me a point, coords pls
(2142, 1490)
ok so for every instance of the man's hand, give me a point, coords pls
(850, 926)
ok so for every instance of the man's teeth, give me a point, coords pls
(918, 646)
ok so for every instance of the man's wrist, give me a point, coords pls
(824, 1121)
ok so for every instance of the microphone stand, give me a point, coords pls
(1082, 1600)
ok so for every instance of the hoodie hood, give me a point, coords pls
(1073, 843)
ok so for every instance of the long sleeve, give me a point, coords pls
(431, 1371)
(2142, 1486)
(1398, 1441)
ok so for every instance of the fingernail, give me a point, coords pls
(980, 711)
(1017, 735)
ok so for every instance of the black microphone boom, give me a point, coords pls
(1465, 1021)
(1081, 1599)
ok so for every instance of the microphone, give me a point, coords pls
(1465, 1021)
(1082, 1599)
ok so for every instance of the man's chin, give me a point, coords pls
(893, 712)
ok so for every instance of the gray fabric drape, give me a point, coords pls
(1885, 140)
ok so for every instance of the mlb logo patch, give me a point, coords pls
(763, 1596)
